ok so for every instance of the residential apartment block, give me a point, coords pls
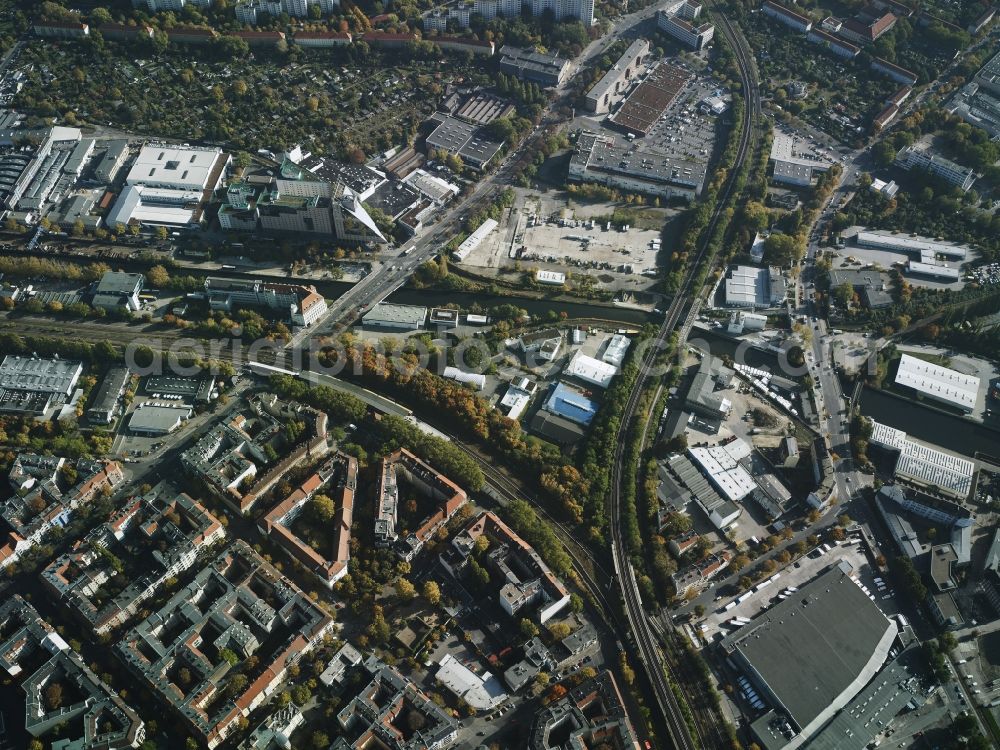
(446, 498)
(920, 156)
(105, 578)
(252, 12)
(337, 477)
(679, 22)
(378, 715)
(48, 502)
(788, 17)
(239, 460)
(240, 604)
(527, 580)
(92, 716)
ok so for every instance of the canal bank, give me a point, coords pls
(930, 425)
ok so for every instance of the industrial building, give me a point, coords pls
(721, 511)
(926, 250)
(473, 240)
(118, 290)
(169, 185)
(31, 385)
(601, 159)
(544, 344)
(400, 317)
(920, 156)
(156, 419)
(590, 370)
(749, 286)
(528, 65)
(935, 271)
(605, 93)
(723, 464)
(743, 322)
(792, 166)
(701, 398)
(924, 465)
(469, 142)
(942, 384)
(838, 641)
(303, 303)
(616, 349)
(516, 398)
(115, 155)
(570, 404)
(105, 400)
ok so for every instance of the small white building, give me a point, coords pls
(554, 278)
(742, 322)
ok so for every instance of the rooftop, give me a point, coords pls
(941, 383)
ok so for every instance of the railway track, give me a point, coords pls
(644, 638)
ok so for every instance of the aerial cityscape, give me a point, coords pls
(496, 374)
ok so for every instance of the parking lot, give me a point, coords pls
(798, 573)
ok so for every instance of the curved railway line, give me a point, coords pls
(643, 636)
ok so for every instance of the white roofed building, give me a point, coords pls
(614, 352)
(591, 370)
(938, 383)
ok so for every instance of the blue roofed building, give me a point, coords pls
(571, 404)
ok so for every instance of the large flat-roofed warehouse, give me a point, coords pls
(749, 286)
(529, 65)
(651, 98)
(402, 317)
(920, 247)
(939, 383)
(810, 654)
(463, 140)
(601, 159)
(32, 385)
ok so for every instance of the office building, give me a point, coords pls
(155, 539)
(605, 93)
(836, 637)
(604, 160)
(920, 156)
(445, 496)
(336, 478)
(114, 157)
(298, 201)
(528, 65)
(303, 304)
(246, 607)
(544, 344)
(743, 322)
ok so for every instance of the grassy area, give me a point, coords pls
(935, 359)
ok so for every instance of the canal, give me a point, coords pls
(930, 425)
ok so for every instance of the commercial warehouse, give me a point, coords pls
(919, 246)
(604, 93)
(923, 464)
(939, 383)
(810, 654)
(402, 317)
(933, 271)
(650, 100)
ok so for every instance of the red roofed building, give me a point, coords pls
(277, 524)
(62, 30)
(190, 35)
(121, 32)
(883, 118)
(865, 29)
(389, 39)
(895, 72)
